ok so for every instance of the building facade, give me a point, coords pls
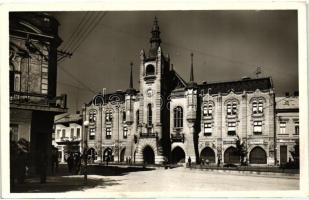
(287, 129)
(170, 119)
(68, 135)
(33, 74)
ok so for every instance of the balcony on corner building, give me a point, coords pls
(35, 101)
(178, 137)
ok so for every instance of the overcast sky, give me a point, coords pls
(227, 45)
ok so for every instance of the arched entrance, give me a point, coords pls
(148, 155)
(231, 155)
(208, 154)
(108, 154)
(122, 153)
(258, 156)
(178, 155)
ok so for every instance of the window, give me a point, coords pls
(123, 116)
(231, 129)
(232, 108)
(78, 132)
(257, 107)
(207, 110)
(282, 127)
(207, 129)
(149, 113)
(72, 132)
(108, 133)
(92, 116)
(92, 133)
(150, 70)
(257, 127)
(63, 133)
(296, 128)
(108, 116)
(178, 117)
(125, 132)
(58, 133)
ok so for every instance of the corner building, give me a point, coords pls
(172, 119)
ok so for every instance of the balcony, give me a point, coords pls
(148, 135)
(34, 101)
(178, 137)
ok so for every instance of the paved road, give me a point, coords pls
(184, 180)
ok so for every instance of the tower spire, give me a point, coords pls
(131, 77)
(155, 39)
(191, 73)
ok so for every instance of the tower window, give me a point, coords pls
(207, 129)
(257, 127)
(178, 117)
(150, 70)
(231, 128)
(108, 133)
(149, 112)
(91, 133)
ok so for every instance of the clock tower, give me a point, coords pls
(154, 67)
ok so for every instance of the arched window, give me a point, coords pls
(207, 109)
(232, 108)
(92, 116)
(178, 117)
(108, 116)
(150, 70)
(149, 114)
(257, 106)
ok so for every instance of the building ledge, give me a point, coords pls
(38, 107)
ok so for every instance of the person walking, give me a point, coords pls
(189, 161)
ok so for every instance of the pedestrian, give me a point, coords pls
(70, 162)
(207, 162)
(219, 160)
(189, 161)
(129, 160)
(77, 163)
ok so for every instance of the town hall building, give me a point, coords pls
(167, 118)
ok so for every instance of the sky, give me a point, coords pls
(227, 45)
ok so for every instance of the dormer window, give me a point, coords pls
(150, 70)
(207, 110)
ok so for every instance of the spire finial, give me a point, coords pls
(191, 73)
(131, 77)
(155, 39)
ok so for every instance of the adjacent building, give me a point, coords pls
(287, 128)
(33, 76)
(170, 119)
(67, 136)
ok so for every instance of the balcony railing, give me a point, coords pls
(148, 135)
(178, 137)
(34, 99)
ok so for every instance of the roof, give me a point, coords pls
(69, 118)
(118, 96)
(238, 86)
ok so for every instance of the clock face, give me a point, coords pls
(149, 92)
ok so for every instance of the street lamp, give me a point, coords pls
(85, 154)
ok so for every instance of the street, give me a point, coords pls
(120, 180)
